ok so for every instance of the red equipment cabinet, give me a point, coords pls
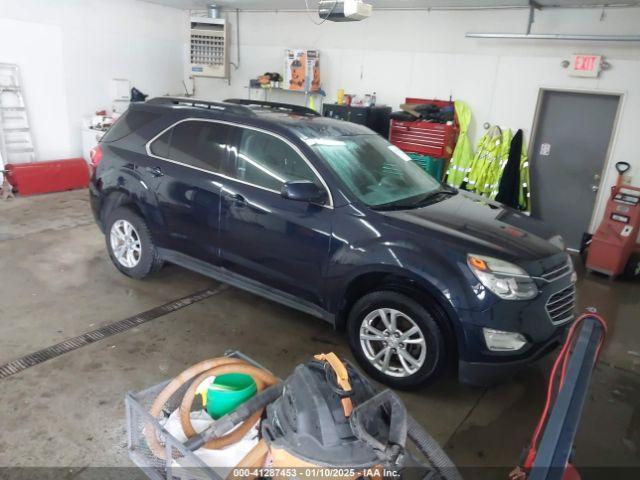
(426, 138)
(617, 239)
(46, 177)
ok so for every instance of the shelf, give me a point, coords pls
(279, 89)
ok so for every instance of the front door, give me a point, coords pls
(279, 242)
(570, 146)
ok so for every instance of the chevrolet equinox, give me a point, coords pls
(329, 218)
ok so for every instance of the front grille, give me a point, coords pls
(558, 271)
(561, 304)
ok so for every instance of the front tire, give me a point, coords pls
(396, 339)
(130, 244)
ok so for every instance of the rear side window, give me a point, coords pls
(198, 144)
(130, 121)
(160, 146)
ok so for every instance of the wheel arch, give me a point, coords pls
(406, 283)
(118, 198)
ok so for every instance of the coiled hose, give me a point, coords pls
(200, 371)
(252, 412)
(432, 450)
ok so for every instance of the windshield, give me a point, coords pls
(375, 171)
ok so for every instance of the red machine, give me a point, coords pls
(45, 177)
(615, 247)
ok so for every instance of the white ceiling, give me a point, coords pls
(300, 4)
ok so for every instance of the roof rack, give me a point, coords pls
(230, 107)
(298, 109)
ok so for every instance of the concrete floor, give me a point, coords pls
(58, 282)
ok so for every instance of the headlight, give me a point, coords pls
(558, 241)
(499, 341)
(506, 280)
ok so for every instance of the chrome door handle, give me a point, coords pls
(155, 171)
(595, 188)
(236, 198)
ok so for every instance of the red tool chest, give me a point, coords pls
(45, 177)
(426, 138)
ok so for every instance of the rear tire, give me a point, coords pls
(396, 339)
(130, 244)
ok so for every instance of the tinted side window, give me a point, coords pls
(268, 162)
(160, 145)
(130, 121)
(199, 144)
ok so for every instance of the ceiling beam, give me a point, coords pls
(556, 36)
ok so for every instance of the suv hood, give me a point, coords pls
(480, 225)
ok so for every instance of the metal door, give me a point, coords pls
(571, 140)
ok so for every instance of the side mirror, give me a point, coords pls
(304, 191)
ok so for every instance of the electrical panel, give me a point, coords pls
(209, 48)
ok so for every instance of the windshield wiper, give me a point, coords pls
(393, 206)
(433, 196)
(421, 201)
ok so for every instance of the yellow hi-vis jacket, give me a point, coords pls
(463, 153)
(485, 171)
(494, 176)
(524, 195)
(483, 164)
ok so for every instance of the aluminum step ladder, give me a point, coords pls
(16, 140)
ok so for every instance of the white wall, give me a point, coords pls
(70, 50)
(37, 48)
(425, 54)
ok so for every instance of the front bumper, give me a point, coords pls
(533, 319)
(484, 374)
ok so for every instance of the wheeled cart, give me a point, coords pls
(615, 247)
(180, 462)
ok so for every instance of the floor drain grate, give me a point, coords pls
(88, 338)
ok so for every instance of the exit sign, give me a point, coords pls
(585, 65)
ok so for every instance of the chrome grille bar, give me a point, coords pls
(561, 304)
(557, 272)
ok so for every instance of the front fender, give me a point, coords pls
(440, 272)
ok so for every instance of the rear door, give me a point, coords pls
(280, 242)
(188, 158)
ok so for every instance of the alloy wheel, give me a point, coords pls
(125, 243)
(392, 342)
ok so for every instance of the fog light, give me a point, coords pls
(499, 341)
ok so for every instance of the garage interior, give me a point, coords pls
(509, 60)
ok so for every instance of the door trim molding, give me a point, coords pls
(244, 283)
(598, 207)
(295, 148)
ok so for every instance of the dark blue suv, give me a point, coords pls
(329, 218)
